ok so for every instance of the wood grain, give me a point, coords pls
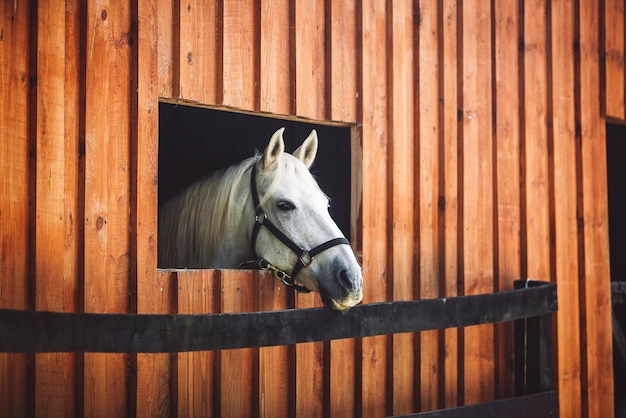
(595, 281)
(566, 245)
(15, 291)
(197, 374)
(449, 69)
(343, 75)
(107, 195)
(373, 112)
(507, 175)
(615, 72)
(56, 203)
(427, 194)
(477, 184)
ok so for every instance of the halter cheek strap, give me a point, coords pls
(305, 257)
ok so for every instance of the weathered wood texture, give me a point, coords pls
(479, 158)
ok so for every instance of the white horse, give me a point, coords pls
(268, 208)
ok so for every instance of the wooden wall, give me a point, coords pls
(482, 128)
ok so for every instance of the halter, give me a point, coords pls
(305, 257)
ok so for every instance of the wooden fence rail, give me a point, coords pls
(34, 332)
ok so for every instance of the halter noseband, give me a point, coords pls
(305, 257)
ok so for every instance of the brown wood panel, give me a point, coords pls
(151, 293)
(238, 368)
(477, 183)
(597, 366)
(614, 38)
(168, 45)
(199, 51)
(240, 55)
(427, 195)
(309, 363)
(507, 188)
(342, 40)
(196, 374)
(566, 249)
(275, 69)
(14, 192)
(402, 203)
(276, 377)
(536, 181)
(373, 112)
(342, 76)
(310, 56)
(56, 202)
(107, 195)
(450, 189)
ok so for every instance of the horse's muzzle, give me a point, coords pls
(349, 292)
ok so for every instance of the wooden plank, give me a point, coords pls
(343, 50)
(196, 374)
(56, 202)
(275, 70)
(309, 367)
(199, 51)
(477, 184)
(168, 45)
(597, 365)
(14, 189)
(151, 293)
(342, 77)
(32, 331)
(565, 216)
(310, 101)
(427, 194)
(507, 154)
(310, 56)
(240, 55)
(375, 214)
(536, 181)
(107, 195)
(276, 377)
(154, 391)
(614, 38)
(450, 189)
(238, 368)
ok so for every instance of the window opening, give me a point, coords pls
(196, 141)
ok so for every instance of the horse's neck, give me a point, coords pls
(233, 246)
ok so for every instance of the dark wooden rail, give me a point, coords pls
(36, 332)
(530, 305)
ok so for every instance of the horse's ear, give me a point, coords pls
(274, 150)
(307, 151)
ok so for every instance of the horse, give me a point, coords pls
(268, 209)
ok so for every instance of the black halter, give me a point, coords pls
(305, 257)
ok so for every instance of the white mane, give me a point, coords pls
(191, 224)
(197, 221)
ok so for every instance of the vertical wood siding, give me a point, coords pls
(480, 153)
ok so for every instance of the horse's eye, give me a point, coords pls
(285, 206)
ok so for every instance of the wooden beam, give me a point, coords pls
(29, 331)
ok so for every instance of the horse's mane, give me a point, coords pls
(191, 223)
(195, 222)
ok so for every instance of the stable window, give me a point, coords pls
(195, 141)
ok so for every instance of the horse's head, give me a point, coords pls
(292, 215)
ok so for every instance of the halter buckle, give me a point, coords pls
(305, 259)
(260, 218)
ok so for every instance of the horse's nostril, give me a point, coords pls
(344, 281)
